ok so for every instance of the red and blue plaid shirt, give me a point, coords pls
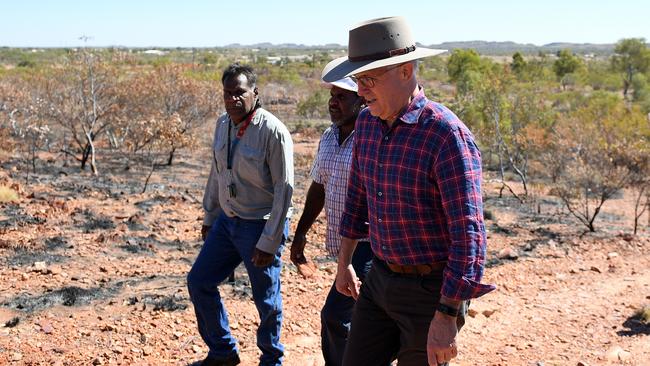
(415, 190)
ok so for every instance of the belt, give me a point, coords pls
(416, 269)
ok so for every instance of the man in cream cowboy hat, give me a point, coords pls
(415, 191)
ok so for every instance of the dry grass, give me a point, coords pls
(643, 315)
(303, 160)
(8, 195)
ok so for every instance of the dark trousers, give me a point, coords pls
(336, 314)
(391, 318)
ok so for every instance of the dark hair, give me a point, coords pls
(236, 69)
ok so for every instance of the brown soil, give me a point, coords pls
(93, 272)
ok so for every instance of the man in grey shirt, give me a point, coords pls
(247, 204)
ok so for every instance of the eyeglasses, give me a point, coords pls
(370, 81)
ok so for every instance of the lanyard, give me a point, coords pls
(238, 137)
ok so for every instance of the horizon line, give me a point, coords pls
(326, 45)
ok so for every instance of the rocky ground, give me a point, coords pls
(93, 273)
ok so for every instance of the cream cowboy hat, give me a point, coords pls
(376, 43)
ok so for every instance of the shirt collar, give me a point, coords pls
(336, 132)
(256, 118)
(411, 114)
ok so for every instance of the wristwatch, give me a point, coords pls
(448, 310)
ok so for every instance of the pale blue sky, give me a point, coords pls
(203, 23)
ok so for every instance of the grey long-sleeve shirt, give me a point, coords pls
(262, 172)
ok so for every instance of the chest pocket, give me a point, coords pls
(250, 163)
(219, 154)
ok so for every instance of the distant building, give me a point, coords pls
(278, 60)
(155, 52)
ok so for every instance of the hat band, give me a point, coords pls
(382, 55)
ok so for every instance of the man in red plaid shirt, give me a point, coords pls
(415, 191)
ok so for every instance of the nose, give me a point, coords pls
(362, 90)
(332, 102)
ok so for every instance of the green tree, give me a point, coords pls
(518, 64)
(508, 116)
(461, 62)
(641, 92)
(565, 66)
(314, 106)
(514, 118)
(632, 57)
(600, 76)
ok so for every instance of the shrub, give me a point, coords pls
(8, 195)
(643, 315)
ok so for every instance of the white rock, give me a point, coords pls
(624, 355)
(40, 267)
(508, 253)
(616, 353)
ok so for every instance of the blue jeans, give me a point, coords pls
(336, 314)
(229, 242)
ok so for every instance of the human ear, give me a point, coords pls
(407, 70)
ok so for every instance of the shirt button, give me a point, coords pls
(381, 165)
(383, 247)
(379, 220)
(379, 194)
(385, 138)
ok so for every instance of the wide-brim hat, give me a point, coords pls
(377, 43)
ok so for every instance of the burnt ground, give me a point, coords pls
(93, 272)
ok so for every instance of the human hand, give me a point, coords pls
(298, 248)
(347, 282)
(204, 231)
(441, 340)
(305, 268)
(262, 259)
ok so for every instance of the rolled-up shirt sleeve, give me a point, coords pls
(280, 161)
(458, 172)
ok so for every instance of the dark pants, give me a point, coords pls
(336, 314)
(391, 318)
(229, 242)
